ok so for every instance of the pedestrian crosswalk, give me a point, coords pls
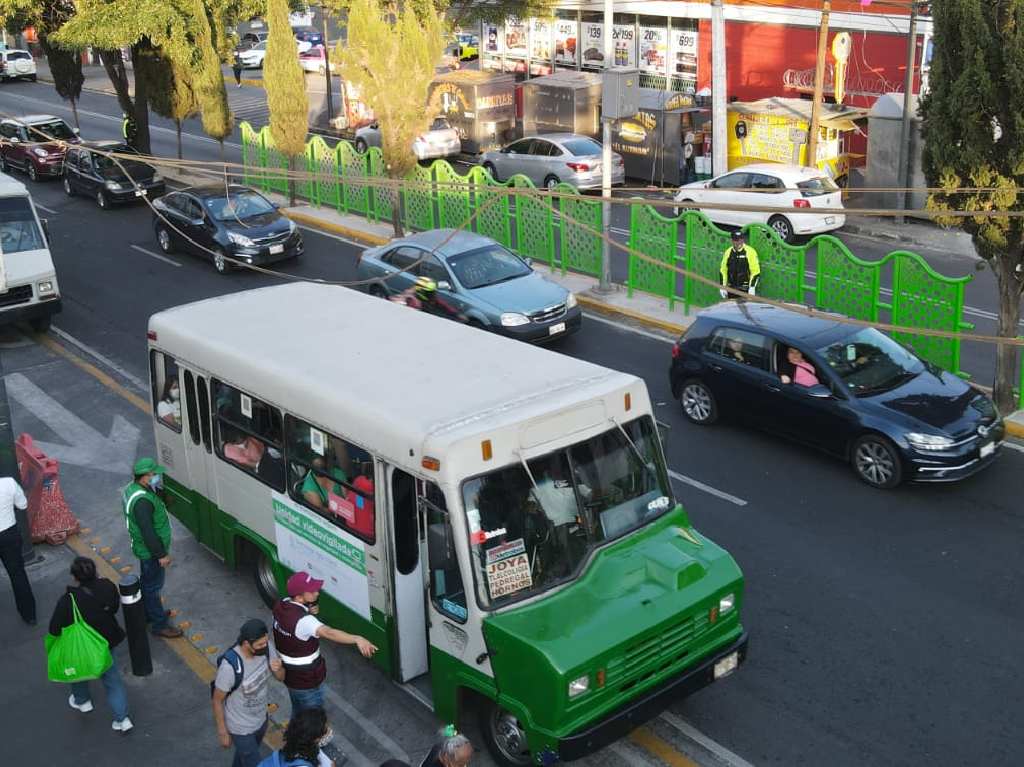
(249, 105)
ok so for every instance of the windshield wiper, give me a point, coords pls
(503, 279)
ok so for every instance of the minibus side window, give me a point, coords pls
(248, 434)
(166, 390)
(190, 406)
(204, 411)
(331, 476)
(446, 589)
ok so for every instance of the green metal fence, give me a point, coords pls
(921, 297)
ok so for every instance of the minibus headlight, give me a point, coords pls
(45, 288)
(579, 686)
(514, 319)
(726, 603)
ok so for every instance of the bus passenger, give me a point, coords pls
(244, 450)
(168, 409)
(317, 487)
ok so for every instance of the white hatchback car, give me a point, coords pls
(15, 64)
(441, 140)
(787, 190)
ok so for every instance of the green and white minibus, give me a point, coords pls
(497, 518)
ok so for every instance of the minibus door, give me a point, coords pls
(408, 535)
(198, 451)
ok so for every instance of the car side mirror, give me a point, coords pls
(14, 140)
(444, 285)
(819, 391)
(76, 131)
(196, 221)
(528, 261)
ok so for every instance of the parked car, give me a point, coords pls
(469, 46)
(308, 38)
(441, 140)
(315, 60)
(218, 224)
(253, 57)
(491, 286)
(788, 188)
(552, 158)
(107, 180)
(250, 40)
(16, 64)
(869, 400)
(25, 145)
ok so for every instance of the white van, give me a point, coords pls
(28, 281)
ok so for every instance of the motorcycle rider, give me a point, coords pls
(740, 268)
(423, 296)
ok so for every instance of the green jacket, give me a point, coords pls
(130, 497)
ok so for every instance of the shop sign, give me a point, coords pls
(566, 33)
(495, 101)
(624, 37)
(541, 40)
(637, 135)
(684, 54)
(452, 99)
(653, 49)
(492, 39)
(515, 37)
(592, 46)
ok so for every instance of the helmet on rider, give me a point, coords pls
(425, 288)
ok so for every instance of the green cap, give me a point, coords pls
(148, 466)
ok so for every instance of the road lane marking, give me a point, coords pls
(393, 749)
(706, 488)
(51, 211)
(716, 748)
(652, 744)
(628, 328)
(157, 256)
(630, 756)
(1014, 446)
(141, 385)
(95, 372)
(360, 245)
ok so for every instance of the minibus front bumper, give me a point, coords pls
(640, 710)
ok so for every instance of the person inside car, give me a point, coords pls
(801, 371)
(734, 350)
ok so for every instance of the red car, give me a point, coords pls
(314, 60)
(35, 144)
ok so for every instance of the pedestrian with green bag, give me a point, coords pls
(83, 634)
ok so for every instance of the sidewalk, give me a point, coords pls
(915, 232)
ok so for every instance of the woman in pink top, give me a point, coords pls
(245, 451)
(803, 371)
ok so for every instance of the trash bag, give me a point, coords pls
(79, 653)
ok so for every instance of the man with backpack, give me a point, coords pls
(239, 692)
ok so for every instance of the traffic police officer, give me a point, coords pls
(740, 269)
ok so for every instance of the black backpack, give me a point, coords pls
(235, 660)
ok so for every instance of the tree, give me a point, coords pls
(172, 94)
(285, 83)
(66, 70)
(218, 122)
(973, 126)
(390, 56)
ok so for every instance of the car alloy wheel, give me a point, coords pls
(782, 227)
(698, 403)
(33, 174)
(220, 261)
(550, 183)
(876, 462)
(360, 145)
(68, 189)
(101, 200)
(504, 736)
(163, 238)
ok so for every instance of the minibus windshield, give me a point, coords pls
(532, 526)
(18, 228)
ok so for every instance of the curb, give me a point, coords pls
(1015, 425)
(353, 234)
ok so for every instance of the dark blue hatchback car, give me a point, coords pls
(848, 390)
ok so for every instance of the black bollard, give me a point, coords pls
(135, 625)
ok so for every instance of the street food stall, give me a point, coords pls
(666, 141)
(776, 130)
(481, 106)
(563, 102)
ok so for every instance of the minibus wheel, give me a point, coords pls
(266, 583)
(504, 736)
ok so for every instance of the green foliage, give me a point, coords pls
(391, 59)
(285, 83)
(65, 68)
(208, 82)
(469, 13)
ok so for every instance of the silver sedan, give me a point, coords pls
(552, 158)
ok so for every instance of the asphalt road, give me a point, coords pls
(885, 626)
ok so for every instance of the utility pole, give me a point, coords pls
(327, 65)
(605, 283)
(719, 85)
(903, 169)
(819, 86)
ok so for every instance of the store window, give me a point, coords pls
(166, 390)
(248, 434)
(332, 477)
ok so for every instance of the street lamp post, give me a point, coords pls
(327, 65)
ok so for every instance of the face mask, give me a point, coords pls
(156, 483)
(175, 394)
(261, 650)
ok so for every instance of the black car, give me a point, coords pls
(109, 180)
(309, 35)
(219, 223)
(849, 390)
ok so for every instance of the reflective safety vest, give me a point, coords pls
(304, 667)
(161, 522)
(740, 270)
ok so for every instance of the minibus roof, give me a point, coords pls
(362, 366)
(11, 187)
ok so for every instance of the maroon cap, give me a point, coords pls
(301, 583)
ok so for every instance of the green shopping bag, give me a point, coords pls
(79, 653)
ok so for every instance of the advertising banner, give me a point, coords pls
(308, 542)
(592, 46)
(566, 36)
(515, 37)
(491, 39)
(540, 40)
(684, 54)
(653, 49)
(624, 37)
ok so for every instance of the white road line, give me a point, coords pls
(367, 726)
(132, 379)
(1014, 446)
(733, 760)
(630, 756)
(157, 256)
(48, 210)
(591, 317)
(707, 488)
(321, 232)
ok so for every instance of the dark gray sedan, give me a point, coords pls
(479, 279)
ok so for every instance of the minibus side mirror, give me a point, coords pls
(664, 430)
(46, 229)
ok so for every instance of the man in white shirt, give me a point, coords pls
(11, 497)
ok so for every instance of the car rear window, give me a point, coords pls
(582, 147)
(18, 55)
(816, 187)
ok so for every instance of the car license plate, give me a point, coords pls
(727, 665)
(988, 449)
(139, 193)
(556, 328)
(830, 219)
(275, 249)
